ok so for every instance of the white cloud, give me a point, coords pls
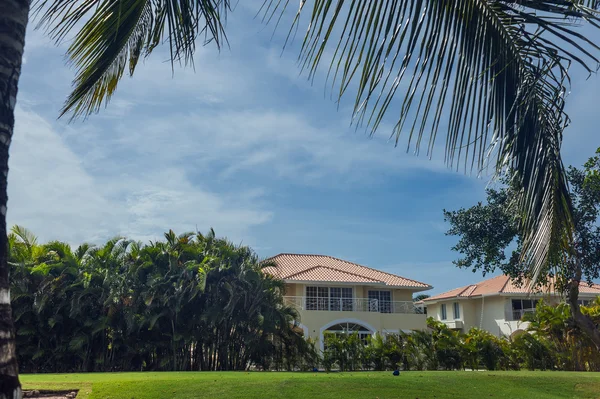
(231, 143)
(49, 191)
(52, 194)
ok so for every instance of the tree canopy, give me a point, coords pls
(490, 239)
(188, 302)
(489, 236)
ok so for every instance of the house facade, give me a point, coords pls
(336, 296)
(496, 305)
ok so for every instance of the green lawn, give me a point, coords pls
(409, 385)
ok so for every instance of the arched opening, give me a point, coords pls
(347, 328)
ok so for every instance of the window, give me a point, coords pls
(311, 298)
(522, 306)
(364, 333)
(380, 301)
(584, 302)
(456, 310)
(340, 298)
(329, 298)
(444, 316)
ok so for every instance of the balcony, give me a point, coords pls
(517, 314)
(453, 324)
(352, 305)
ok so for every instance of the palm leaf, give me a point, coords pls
(25, 236)
(116, 33)
(492, 74)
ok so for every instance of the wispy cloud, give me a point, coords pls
(52, 193)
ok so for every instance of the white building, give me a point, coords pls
(332, 295)
(496, 305)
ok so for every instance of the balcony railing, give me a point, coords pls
(517, 314)
(352, 305)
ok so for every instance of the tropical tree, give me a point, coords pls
(490, 238)
(571, 348)
(420, 297)
(492, 72)
(189, 302)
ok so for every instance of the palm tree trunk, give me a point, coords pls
(582, 321)
(13, 24)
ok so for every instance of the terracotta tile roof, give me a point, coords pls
(324, 268)
(586, 289)
(322, 273)
(503, 285)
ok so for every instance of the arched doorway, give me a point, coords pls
(348, 326)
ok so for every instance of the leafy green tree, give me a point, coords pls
(493, 72)
(490, 239)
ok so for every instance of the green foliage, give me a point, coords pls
(490, 239)
(190, 302)
(552, 343)
(560, 341)
(485, 349)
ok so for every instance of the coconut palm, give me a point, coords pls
(491, 74)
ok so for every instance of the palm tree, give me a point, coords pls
(493, 73)
(420, 297)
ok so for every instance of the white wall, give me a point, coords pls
(494, 313)
(471, 313)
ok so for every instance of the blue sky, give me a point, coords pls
(246, 145)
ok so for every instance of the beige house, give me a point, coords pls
(337, 296)
(496, 305)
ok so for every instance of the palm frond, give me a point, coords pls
(492, 73)
(24, 235)
(117, 33)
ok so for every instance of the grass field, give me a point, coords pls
(409, 385)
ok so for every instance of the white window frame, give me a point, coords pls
(443, 312)
(523, 309)
(325, 302)
(456, 310)
(382, 305)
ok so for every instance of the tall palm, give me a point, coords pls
(491, 72)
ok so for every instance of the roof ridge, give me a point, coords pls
(508, 279)
(332, 268)
(301, 271)
(474, 286)
(462, 289)
(376, 270)
(424, 285)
